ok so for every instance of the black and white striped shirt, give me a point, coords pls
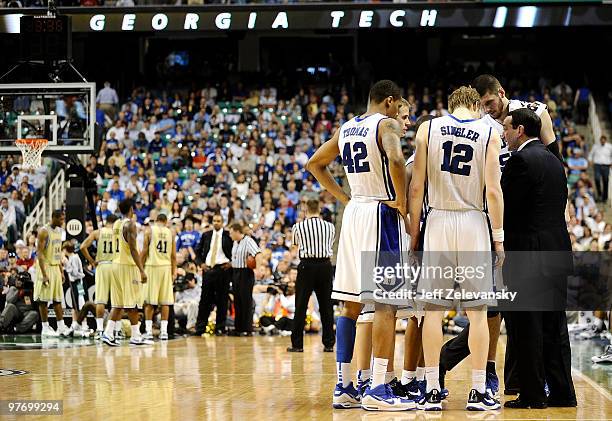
(314, 237)
(242, 249)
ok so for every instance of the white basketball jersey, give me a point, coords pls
(515, 104)
(365, 163)
(456, 163)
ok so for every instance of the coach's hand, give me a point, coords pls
(143, 277)
(501, 255)
(205, 268)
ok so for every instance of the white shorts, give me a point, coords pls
(459, 240)
(370, 231)
(367, 313)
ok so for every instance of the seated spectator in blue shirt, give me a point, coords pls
(576, 165)
(167, 125)
(103, 210)
(188, 238)
(141, 211)
(116, 193)
(292, 195)
(288, 213)
(163, 166)
(156, 144)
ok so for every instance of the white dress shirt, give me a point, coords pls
(526, 142)
(221, 258)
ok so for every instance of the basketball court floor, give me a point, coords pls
(223, 378)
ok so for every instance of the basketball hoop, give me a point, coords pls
(31, 150)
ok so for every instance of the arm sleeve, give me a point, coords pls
(554, 149)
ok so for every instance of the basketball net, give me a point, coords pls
(31, 150)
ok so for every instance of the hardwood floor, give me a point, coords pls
(221, 378)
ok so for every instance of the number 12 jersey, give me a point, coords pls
(456, 163)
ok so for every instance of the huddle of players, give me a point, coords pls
(130, 278)
(124, 275)
(458, 157)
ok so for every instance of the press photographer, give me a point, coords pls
(19, 314)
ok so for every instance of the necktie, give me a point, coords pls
(215, 247)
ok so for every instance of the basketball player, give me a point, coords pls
(363, 336)
(128, 274)
(497, 107)
(105, 253)
(372, 157)
(159, 258)
(458, 156)
(50, 275)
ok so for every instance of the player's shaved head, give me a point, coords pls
(110, 219)
(162, 218)
(384, 89)
(125, 206)
(486, 84)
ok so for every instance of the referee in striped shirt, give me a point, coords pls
(315, 238)
(243, 280)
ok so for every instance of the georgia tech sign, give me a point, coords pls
(261, 20)
(326, 17)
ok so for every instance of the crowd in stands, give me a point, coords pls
(242, 153)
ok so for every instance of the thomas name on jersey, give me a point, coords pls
(459, 132)
(356, 131)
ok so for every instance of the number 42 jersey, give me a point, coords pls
(365, 163)
(456, 163)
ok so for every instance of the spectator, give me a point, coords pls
(576, 164)
(601, 157)
(187, 301)
(107, 100)
(19, 313)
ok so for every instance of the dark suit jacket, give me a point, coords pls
(204, 246)
(535, 194)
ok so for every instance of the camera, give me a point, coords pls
(21, 280)
(272, 291)
(182, 281)
(180, 284)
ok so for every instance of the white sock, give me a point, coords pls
(420, 374)
(136, 331)
(84, 325)
(407, 376)
(432, 375)
(363, 376)
(60, 325)
(379, 371)
(149, 326)
(479, 378)
(344, 373)
(100, 323)
(110, 328)
(389, 375)
(45, 325)
(74, 325)
(164, 326)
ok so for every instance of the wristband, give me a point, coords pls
(498, 235)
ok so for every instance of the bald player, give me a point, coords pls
(159, 258)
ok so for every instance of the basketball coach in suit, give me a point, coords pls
(535, 194)
(213, 254)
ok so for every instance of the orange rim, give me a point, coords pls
(35, 142)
